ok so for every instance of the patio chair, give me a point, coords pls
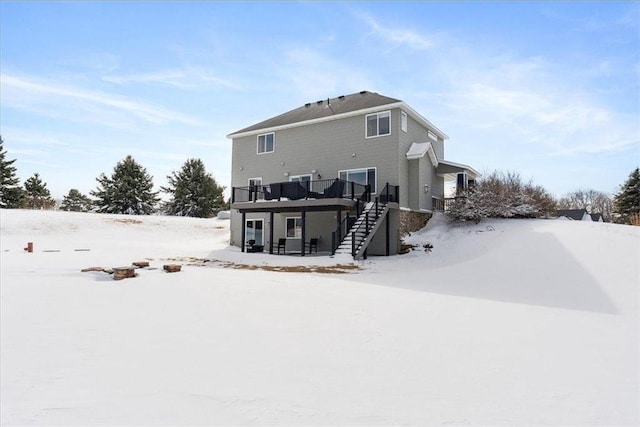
(312, 245)
(334, 190)
(282, 243)
(293, 190)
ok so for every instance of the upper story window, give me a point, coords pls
(266, 143)
(378, 124)
(403, 121)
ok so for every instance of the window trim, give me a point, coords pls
(258, 152)
(374, 188)
(286, 227)
(378, 134)
(246, 229)
(254, 179)
(404, 120)
(300, 176)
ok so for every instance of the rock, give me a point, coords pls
(120, 273)
(171, 268)
(141, 264)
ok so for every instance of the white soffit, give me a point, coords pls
(418, 151)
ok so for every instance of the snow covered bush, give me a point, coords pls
(501, 195)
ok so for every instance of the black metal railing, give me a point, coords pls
(296, 190)
(340, 233)
(440, 204)
(389, 194)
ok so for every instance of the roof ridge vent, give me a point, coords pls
(341, 97)
(320, 102)
(307, 105)
(362, 92)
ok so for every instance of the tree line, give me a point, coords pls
(194, 192)
(127, 190)
(506, 195)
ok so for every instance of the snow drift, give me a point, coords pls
(507, 322)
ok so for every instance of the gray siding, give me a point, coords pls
(329, 147)
(414, 174)
(318, 224)
(326, 147)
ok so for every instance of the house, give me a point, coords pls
(353, 172)
(597, 217)
(574, 214)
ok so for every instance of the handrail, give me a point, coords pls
(296, 190)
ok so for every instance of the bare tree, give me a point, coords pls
(592, 200)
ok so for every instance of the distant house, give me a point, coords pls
(348, 172)
(574, 214)
(597, 217)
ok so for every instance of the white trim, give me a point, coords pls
(461, 166)
(300, 176)
(255, 178)
(366, 172)
(404, 121)
(417, 150)
(378, 134)
(246, 228)
(413, 113)
(286, 219)
(265, 143)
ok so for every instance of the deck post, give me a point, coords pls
(333, 243)
(387, 233)
(271, 233)
(244, 230)
(304, 229)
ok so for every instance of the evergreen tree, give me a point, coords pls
(11, 193)
(129, 190)
(627, 201)
(193, 192)
(37, 194)
(76, 201)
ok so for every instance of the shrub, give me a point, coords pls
(502, 195)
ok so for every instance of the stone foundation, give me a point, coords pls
(411, 221)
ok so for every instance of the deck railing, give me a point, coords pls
(440, 204)
(296, 190)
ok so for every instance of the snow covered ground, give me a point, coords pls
(508, 322)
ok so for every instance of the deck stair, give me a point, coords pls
(363, 230)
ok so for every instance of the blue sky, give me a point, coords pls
(551, 90)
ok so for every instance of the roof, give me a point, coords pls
(330, 109)
(576, 214)
(420, 149)
(448, 169)
(597, 217)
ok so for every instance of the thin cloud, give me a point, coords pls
(189, 78)
(399, 36)
(52, 92)
(317, 76)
